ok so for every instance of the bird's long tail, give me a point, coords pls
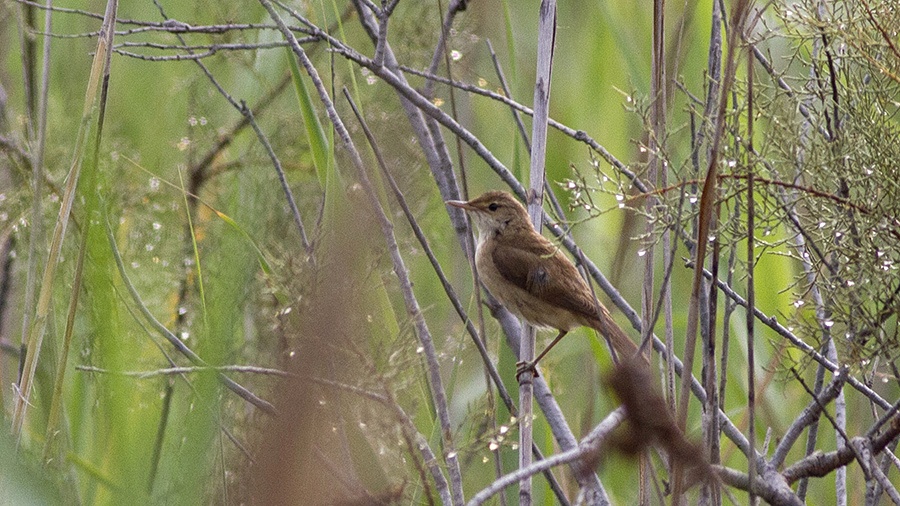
(624, 346)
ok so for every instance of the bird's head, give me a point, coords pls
(495, 211)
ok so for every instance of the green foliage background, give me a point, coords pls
(248, 280)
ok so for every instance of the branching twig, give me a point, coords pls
(412, 306)
(169, 371)
(493, 374)
(232, 385)
(588, 445)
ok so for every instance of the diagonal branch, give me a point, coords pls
(412, 306)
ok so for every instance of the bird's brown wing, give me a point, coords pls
(525, 264)
(543, 271)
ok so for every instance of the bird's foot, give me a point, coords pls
(523, 367)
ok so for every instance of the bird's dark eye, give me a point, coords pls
(494, 206)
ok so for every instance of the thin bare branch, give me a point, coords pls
(588, 445)
(412, 305)
(178, 344)
(493, 374)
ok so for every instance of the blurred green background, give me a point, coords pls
(162, 438)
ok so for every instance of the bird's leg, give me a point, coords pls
(521, 367)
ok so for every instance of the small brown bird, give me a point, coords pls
(531, 276)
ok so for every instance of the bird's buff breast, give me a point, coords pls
(519, 301)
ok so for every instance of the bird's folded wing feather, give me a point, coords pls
(526, 266)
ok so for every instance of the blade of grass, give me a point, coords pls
(93, 471)
(260, 257)
(37, 164)
(196, 250)
(340, 25)
(513, 78)
(56, 401)
(173, 340)
(318, 144)
(99, 71)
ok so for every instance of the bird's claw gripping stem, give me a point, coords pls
(523, 367)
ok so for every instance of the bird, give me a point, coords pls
(532, 278)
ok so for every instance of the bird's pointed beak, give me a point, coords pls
(462, 204)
